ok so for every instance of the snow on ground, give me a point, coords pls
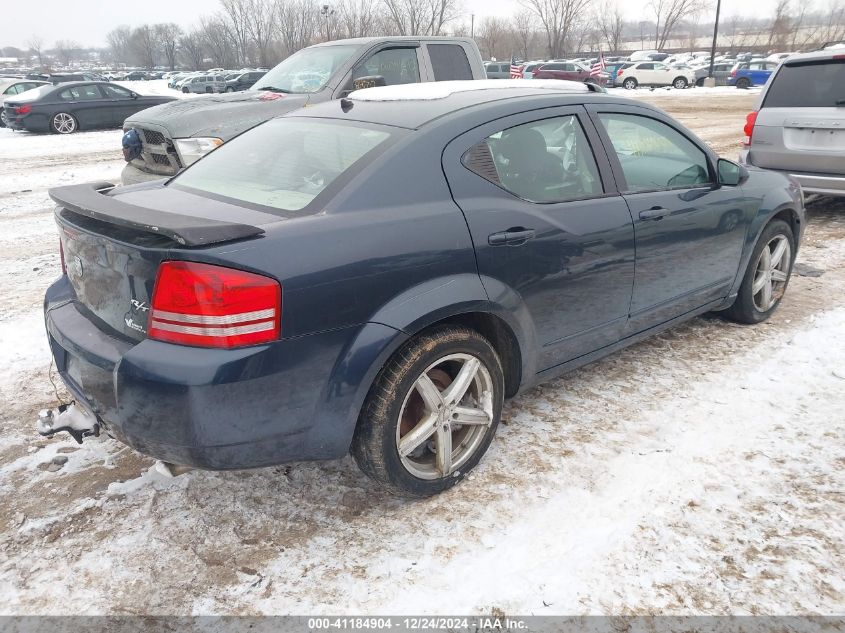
(698, 472)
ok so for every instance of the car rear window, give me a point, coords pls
(449, 62)
(283, 164)
(817, 84)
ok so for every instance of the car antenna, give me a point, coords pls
(346, 104)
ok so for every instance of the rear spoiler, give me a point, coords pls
(92, 200)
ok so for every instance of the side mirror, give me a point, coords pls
(134, 95)
(730, 173)
(371, 81)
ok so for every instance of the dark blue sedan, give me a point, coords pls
(377, 274)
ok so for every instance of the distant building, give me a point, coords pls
(9, 62)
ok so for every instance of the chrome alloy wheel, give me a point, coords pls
(445, 416)
(771, 273)
(64, 123)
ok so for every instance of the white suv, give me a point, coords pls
(654, 74)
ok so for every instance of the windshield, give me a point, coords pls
(307, 70)
(284, 163)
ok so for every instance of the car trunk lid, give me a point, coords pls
(113, 247)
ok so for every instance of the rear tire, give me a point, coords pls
(230, 89)
(630, 83)
(63, 123)
(700, 82)
(2, 117)
(410, 405)
(743, 83)
(767, 276)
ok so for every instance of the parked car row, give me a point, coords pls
(216, 80)
(68, 107)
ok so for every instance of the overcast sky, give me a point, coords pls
(88, 21)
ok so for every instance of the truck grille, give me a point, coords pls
(154, 138)
(158, 156)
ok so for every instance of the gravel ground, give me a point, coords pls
(701, 471)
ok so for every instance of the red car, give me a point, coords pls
(568, 70)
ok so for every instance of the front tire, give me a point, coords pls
(431, 413)
(185, 90)
(64, 123)
(767, 275)
(230, 89)
(679, 83)
(630, 83)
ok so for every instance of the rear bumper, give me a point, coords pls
(212, 409)
(824, 184)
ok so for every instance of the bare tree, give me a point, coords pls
(218, 42)
(358, 18)
(66, 51)
(420, 17)
(669, 14)
(298, 21)
(260, 25)
(611, 22)
(492, 33)
(145, 46)
(192, 48)
(235, 18)
(525, 32)
(36, 45)
(119, 41)
(167, 37)
(781, 25)
(832, 24)
(557, 18)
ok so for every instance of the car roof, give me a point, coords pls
(829, 53)
(363, 41)
(415, 105)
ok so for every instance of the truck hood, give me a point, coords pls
(221, 115)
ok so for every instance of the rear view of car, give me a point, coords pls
(798, 125)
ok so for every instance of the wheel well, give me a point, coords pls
(502, 339)
(791, 218)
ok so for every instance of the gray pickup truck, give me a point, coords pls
(177, 134)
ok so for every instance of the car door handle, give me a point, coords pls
(655, 213)
(512, 237)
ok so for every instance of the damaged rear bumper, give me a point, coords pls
(206, 408)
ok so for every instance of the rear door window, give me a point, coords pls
(542, 161)
(449, 62)
(80, 93)
(817, 84)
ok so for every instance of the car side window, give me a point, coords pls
(116, 92)
(654, 155)
(449, 61)
(645, 67)
(542, 161)
(396, 65)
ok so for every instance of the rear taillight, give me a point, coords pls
(733, 73)
(24, 109)
(750, 120)
(212, 306)
(619, 72)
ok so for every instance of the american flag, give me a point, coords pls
(598, 67)
(516, 69)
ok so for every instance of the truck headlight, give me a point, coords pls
(192, 149)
